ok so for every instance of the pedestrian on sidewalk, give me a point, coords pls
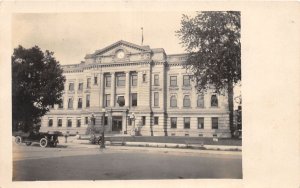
(66, 136)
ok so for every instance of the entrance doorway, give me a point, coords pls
(117, 123)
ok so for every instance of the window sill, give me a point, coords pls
(187, 87)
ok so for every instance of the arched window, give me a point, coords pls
(214, 101)
(173, 101)
(200, 101)
(186, 101)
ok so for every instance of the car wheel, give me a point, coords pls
(28, 143)
(18, 140)
(43, 142)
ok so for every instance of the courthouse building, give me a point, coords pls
(133, 89)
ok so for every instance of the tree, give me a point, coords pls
(212, 40)
(37, 84)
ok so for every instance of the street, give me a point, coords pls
(121, 163)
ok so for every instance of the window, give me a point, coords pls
(186, 80)
(173, 101)
(200, 101)
(79, 103)
(214, 123)
(214, 101)
(155, 120)
(59, 122)
(50, 122)
(144, 77)
(71, 86)
(78, 123)
(95, 80)
(143, 120)
(173, 122)
(173, 81)
(105, 120)
(87, 101)
(61, 104)
(156, 80)
(88, 83)
(80, 86)
(70, 103)
(107, 80)
(93, 120)
(156, 99)
(187, 122)
(107, 100)
(129, 121)
(133, 99)
(69, 122)
(121, 79)
(86, 120)
(200, 123)
(121, 101)
(186, 101)
(134, 79)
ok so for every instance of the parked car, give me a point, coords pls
(44, 139)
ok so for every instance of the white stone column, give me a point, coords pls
(127, 89)
(101, 92)
(113, 89)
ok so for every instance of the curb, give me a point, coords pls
(85, 143)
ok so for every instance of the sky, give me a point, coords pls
(73, 35)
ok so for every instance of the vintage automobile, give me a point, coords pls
(43, 138)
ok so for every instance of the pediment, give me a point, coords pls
(127, 47)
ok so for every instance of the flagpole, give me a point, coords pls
(142, 35)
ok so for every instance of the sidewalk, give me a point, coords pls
(75, 142)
